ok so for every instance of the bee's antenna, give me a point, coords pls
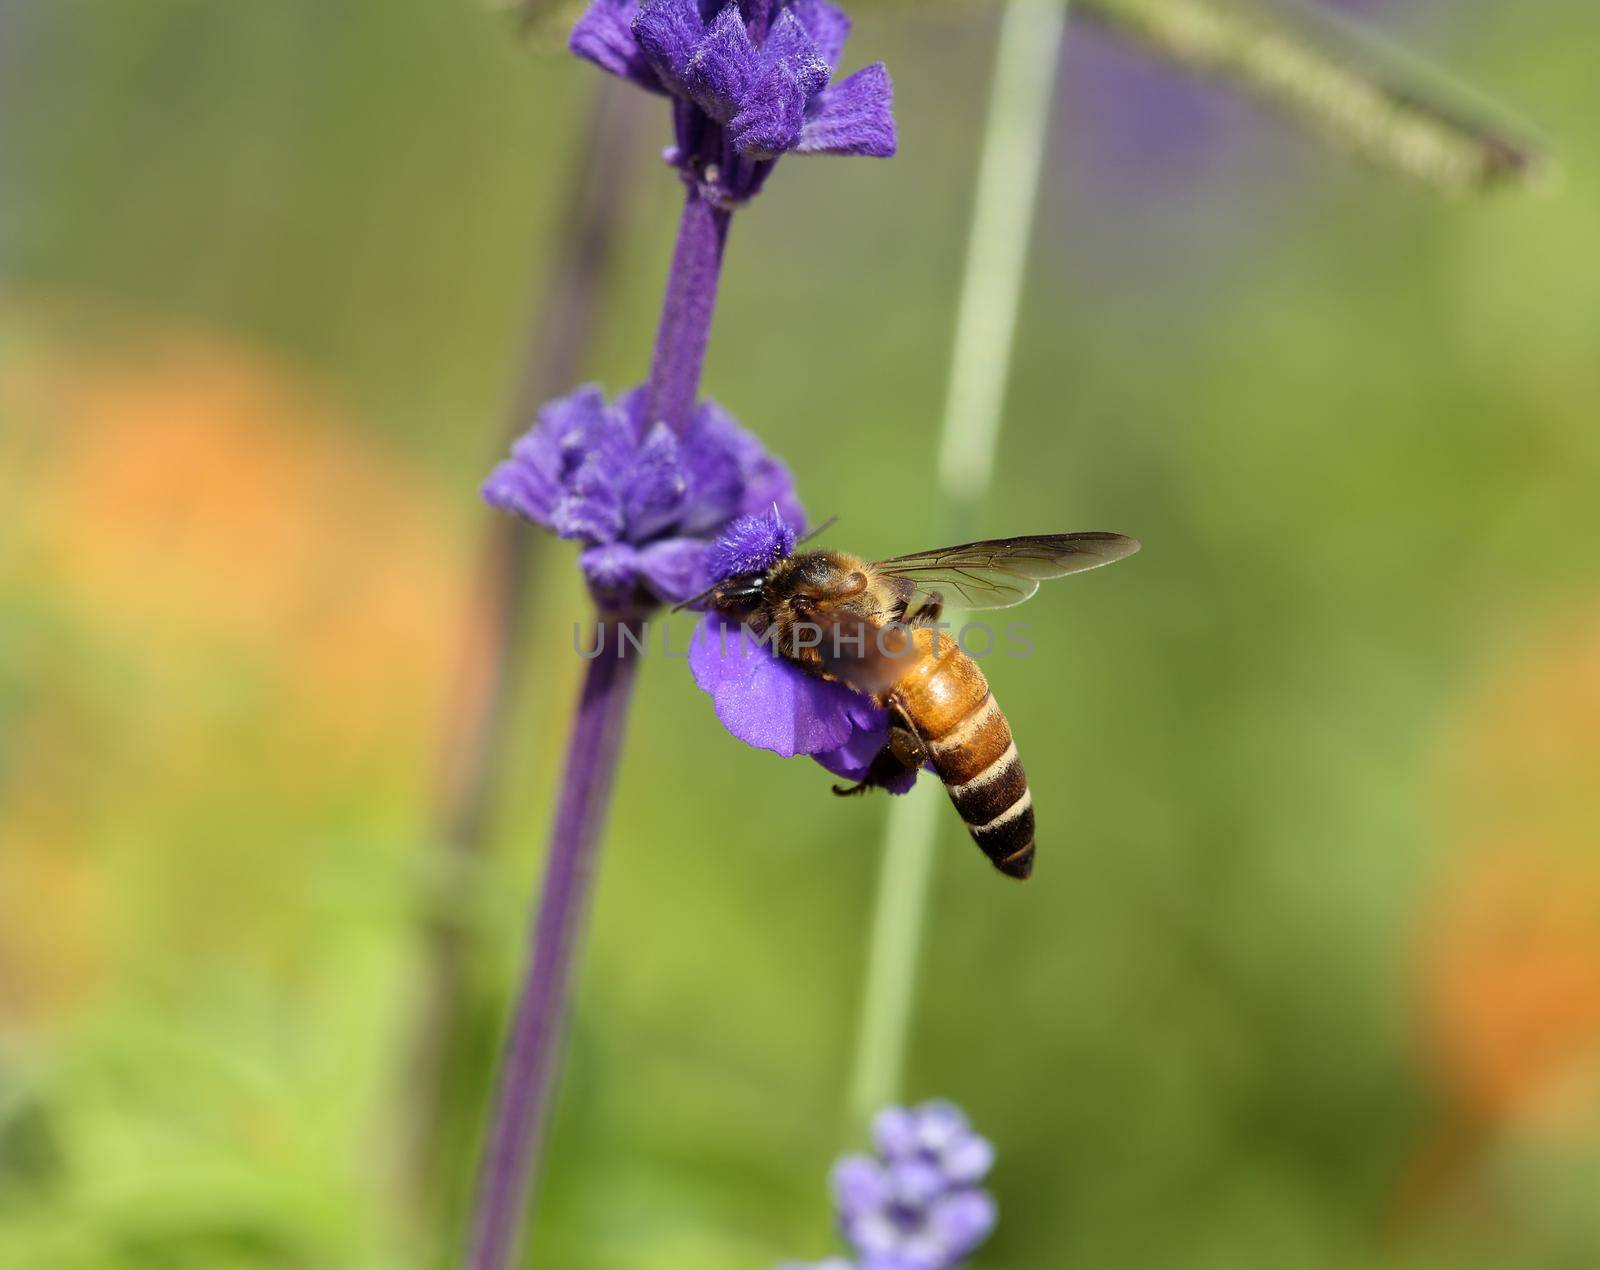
(693, 599)
(820, 529)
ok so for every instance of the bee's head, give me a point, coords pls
(741, 563)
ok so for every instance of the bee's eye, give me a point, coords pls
(740, 593)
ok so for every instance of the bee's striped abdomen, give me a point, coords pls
(969, 742)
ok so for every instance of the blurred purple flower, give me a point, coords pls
(752, 81)
(937, 1134)
(832, 1263)
(765, 701)
(645, 502)
(917, 1204)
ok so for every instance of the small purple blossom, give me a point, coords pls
(832, 1263)
(765, 701)
(752, 79)
(645, 502)
(937, 1134)
(917, 1204)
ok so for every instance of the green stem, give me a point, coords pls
(1031, 44)
(1342, 80)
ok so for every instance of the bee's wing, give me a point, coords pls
(1001, 572)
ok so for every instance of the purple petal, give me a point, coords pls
(523, 488)
(534, 480)
(667, 32)
(768, 481)
(962, 1220)
(588, 432)
(894, 1129)
(827, 26)
(967, 1160)
(612, 569)
(630, 405)
(711, 457)
(939, 1123)
(790, 44)
(762, 479)
(655, 485)
(592, 509)
(765, 701)
(604, 36)
(674, 568)
(915, 1182)
(852, 759)
(537, 457)
(873, 1232)
(722, 66)
(859, 1184)
(769, 119)
(854, 116)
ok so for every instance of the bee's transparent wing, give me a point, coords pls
(1001, 572)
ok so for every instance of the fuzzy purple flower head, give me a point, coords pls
(751, 81)
(918, 1202)
(768, 702)
(645, 502)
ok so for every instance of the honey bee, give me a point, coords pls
(870, 626)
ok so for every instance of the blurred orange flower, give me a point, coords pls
(242, 612)
(201, 491)
(1511, 959)
(1509, 973)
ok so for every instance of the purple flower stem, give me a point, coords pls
(686, 312)
(486, 682)
(528, 1065)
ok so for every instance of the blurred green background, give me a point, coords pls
(1309, 973)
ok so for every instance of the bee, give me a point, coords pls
(870, 626)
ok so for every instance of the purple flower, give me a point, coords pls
(644, 501)
(832, 1263)
(937, 1134)
(917, 1204)
(753, 81)
(762, 699)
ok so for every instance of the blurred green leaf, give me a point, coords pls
(1358, 92)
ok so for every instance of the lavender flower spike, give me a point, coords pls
(917, 1204)
(646, 483)
(752, 81)
(643, 500)
(749, 81)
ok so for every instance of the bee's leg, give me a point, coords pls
(926, 613)
(906, 745)
(904, 753)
